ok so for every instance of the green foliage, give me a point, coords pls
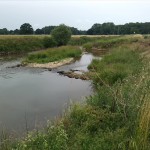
(3, 31)
(20, 44)
(49, 42)
(110, 28)
(82, 40)
(130, 100)
(54, 54)
(109, 42)
(26, 28)
(54, 138)
(89, 127)
(61, 34)
(117, 65)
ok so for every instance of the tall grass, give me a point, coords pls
(14, 44)
(20, 44)
(82, 40)
(109, 42)
(118, 64)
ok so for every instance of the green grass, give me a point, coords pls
(118, 64)
(20, 44)
(109, 42)
(82, 40)
(54, 54)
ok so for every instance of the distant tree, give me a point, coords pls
(108, 28)
(11, 32)
(16, 31)
(4, 31)
(26, 28)
(74, 31)
(39, 31)
(61, 34)
(99, 29)
(48, 29)
(82, 32)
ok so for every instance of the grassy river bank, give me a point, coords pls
(116, 116)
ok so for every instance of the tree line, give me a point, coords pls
(112, 29)
(27, 29)
(108, 28)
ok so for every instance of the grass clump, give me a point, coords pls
(54, 54)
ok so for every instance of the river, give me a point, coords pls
(31, 96)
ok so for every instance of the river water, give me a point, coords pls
(29, 97)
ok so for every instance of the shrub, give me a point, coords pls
(49, 42)
(61, 34)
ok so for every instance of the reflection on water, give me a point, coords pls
(29, 95)
(80, 64)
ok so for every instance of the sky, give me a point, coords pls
(81, 14)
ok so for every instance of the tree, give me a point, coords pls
(61, 34)
(3, 31)
(26, 28)
(39, 31)
(74, 31)
(48, 29)
(16, 31)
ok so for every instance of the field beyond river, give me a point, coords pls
(110, 108)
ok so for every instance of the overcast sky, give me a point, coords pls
(81, 14)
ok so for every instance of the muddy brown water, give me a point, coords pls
(29, 97)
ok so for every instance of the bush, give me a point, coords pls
(49, 42)
(61, 34)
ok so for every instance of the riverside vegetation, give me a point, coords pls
(19, 44)
(54, 54)
(115, 117)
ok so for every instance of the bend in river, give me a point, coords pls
(31, 96)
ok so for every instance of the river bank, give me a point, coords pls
(22, 44)
(116, 116)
